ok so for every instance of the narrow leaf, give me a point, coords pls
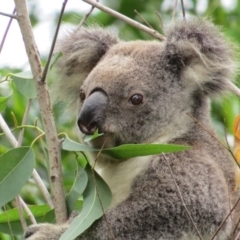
(92, 209)
(10, 220)
(71, 145)
(134, 150)
(25, 84)
(16, 167)
(91, 137)
(126, 151)
(77, 189)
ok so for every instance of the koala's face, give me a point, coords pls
(129, 95)
(141, 92)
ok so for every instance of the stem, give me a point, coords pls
(131, 22)
(7, 29)
(46, 112)
(44, 75)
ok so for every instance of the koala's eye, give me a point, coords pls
(136, 99)
(82, 95)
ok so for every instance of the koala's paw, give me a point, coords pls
(44, 231)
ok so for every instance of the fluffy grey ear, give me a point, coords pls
(82, 50)
(197, 51)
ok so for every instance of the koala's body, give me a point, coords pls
(142, 92)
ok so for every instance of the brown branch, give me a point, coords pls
(46, 112)
(8, 15)
(7, 29)
(181, 197)
(212, 135)
(131, 22)
(44, 75)
(174, 9)
(225, 219)
(143, 19)
(183, 10)
(86, 16)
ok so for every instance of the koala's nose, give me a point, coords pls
(93, 112)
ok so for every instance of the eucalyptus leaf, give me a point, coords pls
(10, 220)
(70, 145)
(16, 167)
(126, 151)
(92, 209)
(91, 137)
(25, 83)
(77, 189)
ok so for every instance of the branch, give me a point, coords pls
(86, 16)
(46, 112)
(8, 15)
(6, 31)
(131, 22)
(44, 75)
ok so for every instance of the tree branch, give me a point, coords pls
(131, 22)
(46, 112)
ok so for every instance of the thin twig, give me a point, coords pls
(27, 210)
(131, 22)
(183, 10)
(181, 197)
(86, 16)
(174, 9)
(21, 214)
(53, 143)
(44, 75)
(8, 15)
(143, 19)
(160, 19)
(233, 88)
(6, 31)
(225, 219)
(212, 135)
(24, 121)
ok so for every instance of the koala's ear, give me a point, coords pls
(197, 51)
(82, 50)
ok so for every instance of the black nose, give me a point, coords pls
(92, 114)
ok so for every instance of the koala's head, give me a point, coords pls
(141, 91)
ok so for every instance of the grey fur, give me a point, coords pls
(175, 77)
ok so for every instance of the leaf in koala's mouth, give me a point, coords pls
(88, 138)
(123, 152)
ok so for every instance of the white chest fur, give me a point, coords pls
(120, 175)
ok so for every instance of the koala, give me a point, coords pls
(145, 92)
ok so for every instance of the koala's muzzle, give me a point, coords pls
(93, 112)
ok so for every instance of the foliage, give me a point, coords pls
(17, 88)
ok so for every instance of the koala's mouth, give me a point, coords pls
(105, 141)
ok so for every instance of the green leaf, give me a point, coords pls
(71, 145)
(10, 220)
(16, 167)
(54, 59)
(92, 209)
(77, 189)
(126, 151)
(135, 150)
(25, 83)
(91, 137)
(3, 102)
